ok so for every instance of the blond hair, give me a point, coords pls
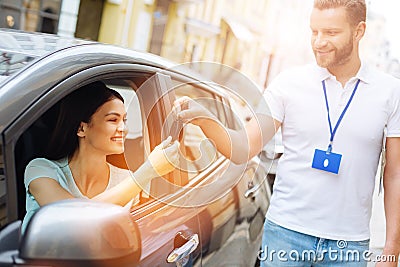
(356, 9)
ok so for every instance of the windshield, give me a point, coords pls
(17, 48)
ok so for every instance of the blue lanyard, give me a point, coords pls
(341, 115)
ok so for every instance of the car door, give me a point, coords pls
(232, 215)
(207, 195)
(200, 198)
(161, 223)
(158, 222)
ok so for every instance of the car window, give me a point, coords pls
(145, 121)
(199, 151)
(240, 111)
(33, 141)
(134, 143)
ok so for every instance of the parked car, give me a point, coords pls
(201, 214)
(273, 150)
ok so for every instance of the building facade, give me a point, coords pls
(258, 38)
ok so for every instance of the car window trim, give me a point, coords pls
(30, 114)
(148, 207)
(209, 87)
(15, 128)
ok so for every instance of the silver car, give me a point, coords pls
(206, 213)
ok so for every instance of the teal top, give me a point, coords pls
(59, 170)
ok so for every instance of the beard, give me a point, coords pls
(339, 56)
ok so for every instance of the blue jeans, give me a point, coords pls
(284, 247)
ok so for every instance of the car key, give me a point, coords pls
(175, 130)
(177, 124)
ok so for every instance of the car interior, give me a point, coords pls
(33, 142)
(195, 147)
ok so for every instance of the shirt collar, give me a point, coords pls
(362, 74)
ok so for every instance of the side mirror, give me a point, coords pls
(81, 233)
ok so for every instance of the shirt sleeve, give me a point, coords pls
(393, 124)
(38, 168)
(272, 103)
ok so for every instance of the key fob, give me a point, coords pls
(176, 129)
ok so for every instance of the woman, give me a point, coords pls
(90, 126)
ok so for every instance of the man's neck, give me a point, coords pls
(346, 71)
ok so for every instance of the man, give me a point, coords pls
(333, 115)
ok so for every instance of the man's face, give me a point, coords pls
(332, 37)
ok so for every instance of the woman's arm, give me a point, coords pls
(161, 161)
(47, 190)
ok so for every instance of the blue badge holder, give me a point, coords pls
(325, 161)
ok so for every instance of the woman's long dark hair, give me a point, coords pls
(77, 107)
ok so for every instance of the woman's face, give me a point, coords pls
(106, 130)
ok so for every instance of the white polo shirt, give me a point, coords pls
(315, 202)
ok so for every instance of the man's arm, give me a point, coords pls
(391, 184)
(241, 145)
(237, 145)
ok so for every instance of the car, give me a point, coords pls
(207, 212)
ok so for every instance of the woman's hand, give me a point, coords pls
(165, 157)
(188, 110)
(162, 160)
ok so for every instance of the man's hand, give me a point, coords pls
(188, 110)
(386, 260)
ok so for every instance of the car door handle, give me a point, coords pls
(250, 192)
(184, 250)
(251, 189)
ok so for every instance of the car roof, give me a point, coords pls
(30, 47)
(37, 70)
(19, 48)
(34, 43)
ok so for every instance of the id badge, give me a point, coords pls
(324, 161)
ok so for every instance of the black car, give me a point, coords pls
(209, 212)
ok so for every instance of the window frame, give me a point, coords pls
(3, 189)
(47, 100)
(52, 95)
(220, 96)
